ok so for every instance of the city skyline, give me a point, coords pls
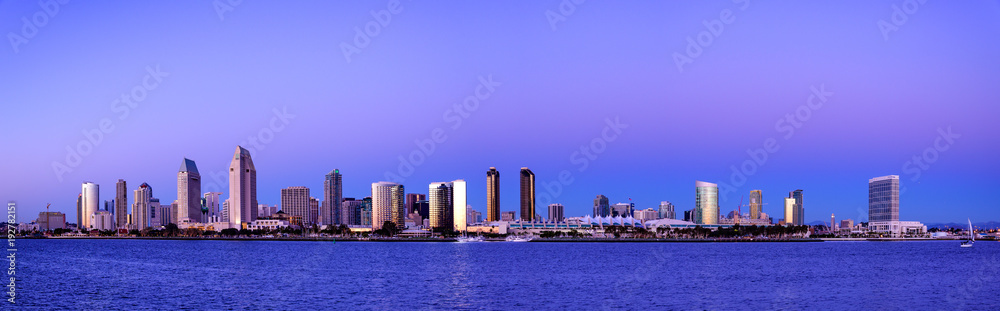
(598, 96)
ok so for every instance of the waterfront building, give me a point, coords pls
(188, 192)
(493, 194)
(213, 204)
(667, 210)
(441, 205)
(423, 207)
(225, 211)
(242, 189)
(883, 199)
(163, 209)
(266, 210)
(141, 216)
(602, 208)
(90, 203)
(388, 204)
(622, 209)
(556, 212)
(121, 204)
(313, 211)
(706, 203)
(366, 212)
(756, 204)
(102, 220)
(79, 210)
(295, 201)
(333, 198)
(507, 216)
(789, 211)
(798, 210)
(527, 194)
(51, 221)
(461, 205)
(646, 214)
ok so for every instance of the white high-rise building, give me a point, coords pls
(242, 189)
(789, 211)
(102, 220)
(214, 206)
(188, 193)
(667, 210)
(388, 204)
(460, 205)
(141, 216)
(90, 203)
(706, 203)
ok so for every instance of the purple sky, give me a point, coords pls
(891, 97)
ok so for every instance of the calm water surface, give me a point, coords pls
(271, 275)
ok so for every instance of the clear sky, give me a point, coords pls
(886, 81)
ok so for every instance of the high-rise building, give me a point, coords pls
(799, 211)
(109, 205)
(644, 215)
(789, 211)
(295, 202)
(556, 212)
(883, 198)
(493, 194)
(214, 206)
(461, 207)
(474, 216)
(388, 204)
(141, 216)
(351, 208)
(411, 202)
(121, 204)
(79, 210)
(242, 189)
(313, 210)
(51, 220)
(756, 204)
(602, 207)
(366, 211)
(90, 203)
(508, 216)
(423, 208)
(333, 197)
(527, 194)
(622, 209)
(706, 203)
(441, 205)
(188, 192)
(225, 211)
(667, 210)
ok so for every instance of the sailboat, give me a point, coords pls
(972, 236)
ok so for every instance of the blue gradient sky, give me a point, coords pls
(607, 60)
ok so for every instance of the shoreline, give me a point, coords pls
(536, 240)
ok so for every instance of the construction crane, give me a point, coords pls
(48, 225)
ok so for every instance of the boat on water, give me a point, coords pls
(467, 239)
(972, 236)
(518, 239)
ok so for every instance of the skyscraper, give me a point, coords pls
(706, 203)
(366, 211)
(789, 211)
(188, 192)
(213, 205)
(121, 204)
(883, 198)
(295, 202)
(388, 200)
(602, 207)
(799, 211)
(493, 194)
(441, 206)
(79, 210)
(756, 203)
(556, 212)
(333, 197)
(242, 189)
(411, 202)
(460, 203)
(667, 210)
(313, 210)
(90, 203)
(141, 216)
(527, 194)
